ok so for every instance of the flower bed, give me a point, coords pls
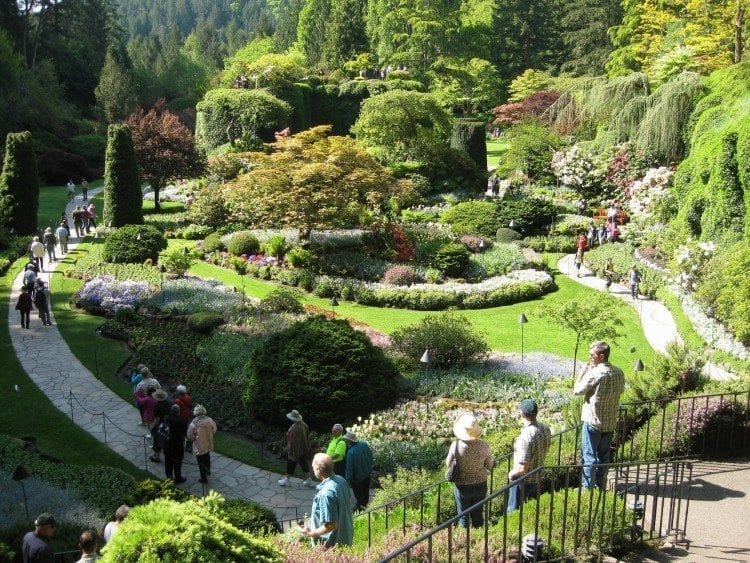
(186, 296)
(111, 295)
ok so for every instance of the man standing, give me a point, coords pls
(358, 468)
(529, 451)
(62, 234)
(161, 410)
(337, 449)
(84, 189)
(297, 448)
(331, 516)
(78, 220)
(174, 449)
(35, 547)
(71, 187)
(201, 433)
(601, 385)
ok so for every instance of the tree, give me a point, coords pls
(588, 319)
(123, 200)
(465, 86)
(115, 94)
(345, 33)
(311, 29)
(584, 34)
(164, 147)
(19, 187)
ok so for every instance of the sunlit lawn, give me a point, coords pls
(495, 150)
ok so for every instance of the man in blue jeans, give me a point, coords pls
(529, 451)
(601, 385)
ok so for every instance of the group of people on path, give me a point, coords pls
(71, 189)
(34, 292)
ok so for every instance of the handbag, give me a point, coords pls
(451, 473)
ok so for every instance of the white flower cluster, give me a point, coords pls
(575, 169)
(516, 276)
(690, 259)
(646, 193)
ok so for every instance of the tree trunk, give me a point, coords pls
(739, 22)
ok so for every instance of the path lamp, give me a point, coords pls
(638, 366)
(512, 224)
(522, 320)
(162, 270)
(19, 474)
(426, 358)
(334, 304)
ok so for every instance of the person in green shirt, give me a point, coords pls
(337, 449)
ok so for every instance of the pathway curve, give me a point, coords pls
(657, 321)
(45, 356)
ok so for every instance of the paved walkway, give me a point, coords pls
(74, 390)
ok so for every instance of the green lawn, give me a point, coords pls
(495, 150)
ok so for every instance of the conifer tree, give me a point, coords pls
(19, 185)
(123, 199)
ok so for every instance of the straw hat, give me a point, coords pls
(294, 416)
(467, 427)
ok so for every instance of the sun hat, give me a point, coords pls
(45, 519)
(199, 410)
(160, 395)
(350, 436)
(181, 389)
(528, 406)
(294, 416)
(467, 427)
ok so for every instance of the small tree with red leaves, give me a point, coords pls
(534, 106)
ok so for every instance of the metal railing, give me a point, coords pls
(644, 501)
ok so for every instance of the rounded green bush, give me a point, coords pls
(213, 243)
(243, 242)
(250, 516)
(134, 244)
(204, 321)
(472, 218)
(323, 368)
(451, 259)
(299, 257)
(282, 300)
(504, 234)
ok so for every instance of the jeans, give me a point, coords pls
(361, 493)
(204, 465)
(520, 493)
(466, 496)
(25, 316)
(173, 457)
(595, 448)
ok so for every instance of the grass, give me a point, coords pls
(495, 150)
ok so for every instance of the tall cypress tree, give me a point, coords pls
(19, 185)
(123, 200)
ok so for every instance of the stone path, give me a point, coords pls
(74, 390)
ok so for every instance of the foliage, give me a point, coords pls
(529, 216)
(528, 83)
(92, 264)
(472, 217)
(227, 353)
(56, 167)
(19, 186)
(400, 275)
(579, 171)
(205, 322)
(622, 258)
(469, 136)
(275, 246)
(213, 242)
(451, 259)
(558, 243)
(506, 235)
(115, 93)
(149, 490)
(325, 369)
(243, 242)
(249, 516)
(186, 296)
(404, 482)
(111, 295)
(476, 244)
(195, 529)
(209, 208)
(122, 190)
(534, 106)
(673, 374)
(530, 151)
(177, 261)
(468, 87)
(133, 244)
(299, 257)
(501, 259)
(449, 338)
(282, 300)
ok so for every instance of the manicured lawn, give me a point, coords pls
(495, 150)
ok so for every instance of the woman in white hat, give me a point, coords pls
(297, 449)
(473, 461)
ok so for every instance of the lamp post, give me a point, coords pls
(19, 474)
(512, 224)
(638, 366)
(426, 358)
(334, 304)
(522, 320)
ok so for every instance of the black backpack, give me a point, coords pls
(162, 435)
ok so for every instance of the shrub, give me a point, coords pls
(504, 234)
(469, 136)
(133, 244)
(557, 243)
(352, 264)
(250, 516)
(475, 243)
(243, 242)
(213, 243)
(530, 216)
(56, 167)
(502, 259)
(193, 231)
(19, 185)
(325, 369)
(194, 530)
(227, 353)
(325, 287)
(452, 259)
(449, 338)
(404, 482)
(151, 489)
(274, 246)
(204, 321)
(177, 260)
(123, 199)
(472, 217)
(677, 372)
(299, 257)
(282, 300)
(185, 296)
(400, 275)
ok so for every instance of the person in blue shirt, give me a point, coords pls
(358, 468)
(331, 516)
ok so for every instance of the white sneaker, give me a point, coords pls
(283, 482)
(308, 482)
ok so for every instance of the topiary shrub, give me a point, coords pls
(134, 244)
(282, 300)
(19, 185)
(504, 234)
(123, 199)
(323, 368)
(449, 337)
(530, 216)
(470, 137)
(250, 516)
(194, 530)
(205, 321)
(451, 259)
(213, 243)
(151, 489)
(243, 242)
(400, 275)
(472, 217)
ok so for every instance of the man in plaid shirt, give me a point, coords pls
(529, 451)
(601, 385)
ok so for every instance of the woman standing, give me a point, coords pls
(201, 433)
(473, 461)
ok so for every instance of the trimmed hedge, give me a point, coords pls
(134, 244)
(19, 186)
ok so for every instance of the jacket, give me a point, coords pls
(201, 433)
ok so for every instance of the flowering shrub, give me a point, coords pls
(625, 166)
(112, 295)
(403, 249)
(190, 295)
(577, 170)
(400, 275)
(644, 195)
(689, 261)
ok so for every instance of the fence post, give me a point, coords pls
(70, 403)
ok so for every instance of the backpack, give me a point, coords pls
(162, 435)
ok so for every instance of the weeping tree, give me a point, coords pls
(19, 185)
(123, 200)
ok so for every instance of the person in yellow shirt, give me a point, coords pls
(337, 449)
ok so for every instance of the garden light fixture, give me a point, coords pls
(522, 320)
(334, 304)
(512, 224)
(426, 358)
(638, 366)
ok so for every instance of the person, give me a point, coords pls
(90, 217)
(146, 403)
(634, 279)
(135, 378)
(614, 233)
(612, 213)
(359, 464)
(609, 273)
(148, 379)
(581, 244)
(111, 528)
(24, 306)
(297, 449)
(89, 545)
(161, 410)
(529, 451)
(184, 401)
(84, 189)
(174, 451)
(601, 385)
(35, 546)
(50, 242)
(581, 206)
(331, 514)
(337, 449)
(42, 302)
(201, 433)
(37, 252)
(71, 190)
(79, 218)
(62, 233)
(602, 235)
(591, 235)
(473, 460)
(29, 277)
(578, 261)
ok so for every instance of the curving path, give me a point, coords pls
(74, 390)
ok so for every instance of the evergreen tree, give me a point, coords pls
(470, 137)
(19, 186)
(345, 33)
(286, 24)
(585, 24)
(115, 94)
(311, 29)
(123, 200)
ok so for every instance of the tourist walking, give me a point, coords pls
(37, 253)
(337, 449)
(71, 188)
(146, 404)
(634, 280)
(79, 220)
(529, 451)
(359, 464)
(50, 242)
(24, 306)
(473, 461)
(90, 217)
(42, 302)
(578, 261)
(297, 449)
(174, 449)
(601, 385)
(35, 546)
(111, 528)
(331, 514)
(161, 410)
(84, 189)
(609, 273)
(62, 233)
(201, 433)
